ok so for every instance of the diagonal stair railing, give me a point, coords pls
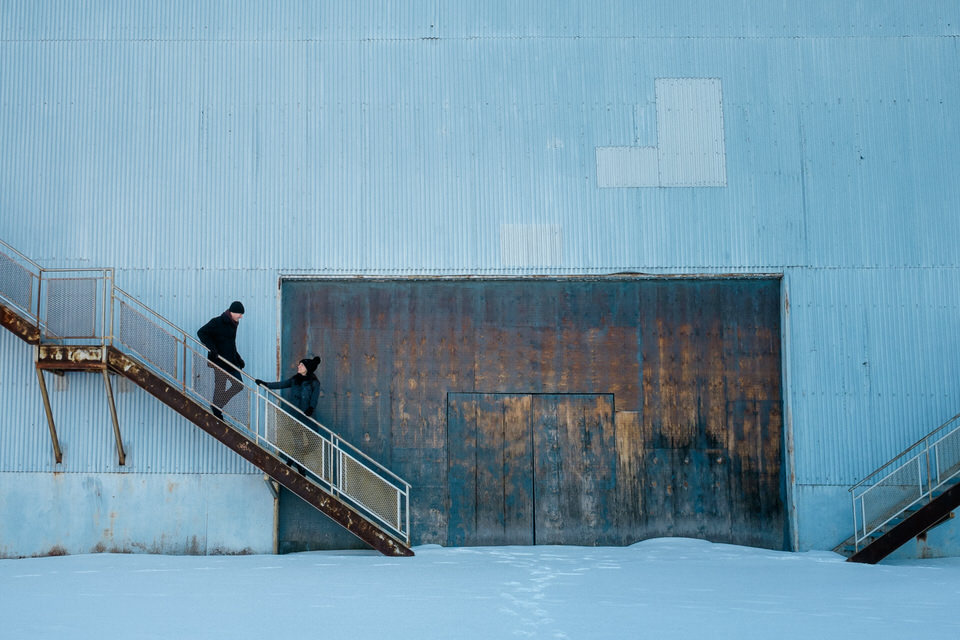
(84, 306)
(914, 477)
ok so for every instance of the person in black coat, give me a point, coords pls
(303, 391)
(304, 386)
(219, 335)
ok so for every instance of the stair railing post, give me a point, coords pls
(102, 325)
(110, 312)
(40, 307)
(920, 481)
(863, 520)
(853, 505)
(926, 451)
(256, 415)
(183, 381)
(337, 462)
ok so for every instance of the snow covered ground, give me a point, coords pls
(663, 588)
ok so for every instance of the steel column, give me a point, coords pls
(46, 407)
(113, 416)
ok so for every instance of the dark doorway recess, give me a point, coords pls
(554, 411)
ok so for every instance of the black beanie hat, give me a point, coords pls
(311, 364)
(236, 307)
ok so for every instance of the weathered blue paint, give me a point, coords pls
(58, 513)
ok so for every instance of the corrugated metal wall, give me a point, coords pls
(204, 149)
(373, 156)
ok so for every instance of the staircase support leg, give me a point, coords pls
(46, 407)
(113, 416)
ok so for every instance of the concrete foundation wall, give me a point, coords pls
(67, 513)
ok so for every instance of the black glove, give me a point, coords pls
(309, 412)
(260, 382)
(213, 355)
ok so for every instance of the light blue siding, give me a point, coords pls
(204, 149)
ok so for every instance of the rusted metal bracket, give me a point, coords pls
(59, 359)
(57, 453)
(273, 485)
(53, 357)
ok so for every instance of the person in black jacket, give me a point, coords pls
(219, 335)
(292, 439)
(304, 386)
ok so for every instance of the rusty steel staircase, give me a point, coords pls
(78, 320)
(913, 493)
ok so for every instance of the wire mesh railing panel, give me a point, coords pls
(884, 500)
(17, 284)
(946, 457)
(71, 307)
(147, 339)
(221, 388)
(300, 443)
(370, 490)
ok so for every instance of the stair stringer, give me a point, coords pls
(924, 519)
(18, 325)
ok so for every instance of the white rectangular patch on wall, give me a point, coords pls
(627, 167)
(531, 245)
(690, 132)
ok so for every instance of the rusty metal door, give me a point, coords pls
(490, 469)
(575, 469)
(530, 469)
(663, 394)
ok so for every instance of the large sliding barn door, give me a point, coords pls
(577, 410)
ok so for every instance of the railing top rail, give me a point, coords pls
(191, 343)
(906, 452)
(77, 270)
(37, 269)
(132, 300)
(21, 256)
(195, 345)
(282, 402)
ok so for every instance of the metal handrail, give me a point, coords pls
(894, 495)
(194, 347)
(22, 257)
(293, 411)
(31, 268)
(906, 451)
(112, 300)
(199, 347)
